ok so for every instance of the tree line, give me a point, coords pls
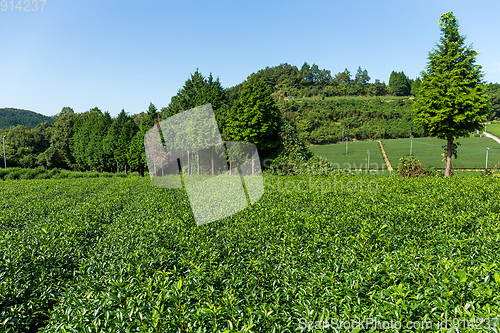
(310, 81)
(258, 110)
(93, 140)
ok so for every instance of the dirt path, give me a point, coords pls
(389, 167)
(492, 136)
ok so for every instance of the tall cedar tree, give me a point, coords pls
(136, 154)
(400, 84)
(112, 139)
(197, 91)
(80, 141)
(452, 100)
(98, 159)
(255, 118)
(361, 81)
(127, 133)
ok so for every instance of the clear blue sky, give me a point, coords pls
(125, 54)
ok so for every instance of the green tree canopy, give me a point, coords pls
(361, 81)
(416, 86)
(59, 154)
(255, 117)
(136, 157)
(399, 84)
(452, 100)
(197, 91)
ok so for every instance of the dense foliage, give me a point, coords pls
(321, 121)
(255, 117)
(118, 255)
(287, 81)
(199, 90)
(493, 91)
(56, 173)
(452, 101)
(412, 167)
(307, 97)
(400, 84)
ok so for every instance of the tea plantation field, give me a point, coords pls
(120, 255)
(493, 129)
(471, 153)
(357, 155)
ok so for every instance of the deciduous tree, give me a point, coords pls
(255, 117)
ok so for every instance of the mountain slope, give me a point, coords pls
(12, 117)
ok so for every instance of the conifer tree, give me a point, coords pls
(452, 100)
(112, 139)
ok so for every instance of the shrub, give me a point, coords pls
(14, 173)
(44, 175)
(412, 167)
(120, 174)
(106, 174)
(99, 257)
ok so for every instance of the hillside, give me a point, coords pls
(12, 117)
(321, 121)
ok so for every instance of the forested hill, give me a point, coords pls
(12, 117)
(324, 107)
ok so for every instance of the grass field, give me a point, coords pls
(471, 152)
(493, 129)
(357, 156)
(120, 255)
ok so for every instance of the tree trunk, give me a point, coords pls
(447, 170)
(198, 161)
(253, 164)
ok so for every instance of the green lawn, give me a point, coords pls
(357, 154)
(471, 152)
(493, 129)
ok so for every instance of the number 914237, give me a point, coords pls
(22, 5)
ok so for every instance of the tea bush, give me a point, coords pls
(42, 173)
(120, 255)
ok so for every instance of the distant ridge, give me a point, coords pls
(13, 117)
